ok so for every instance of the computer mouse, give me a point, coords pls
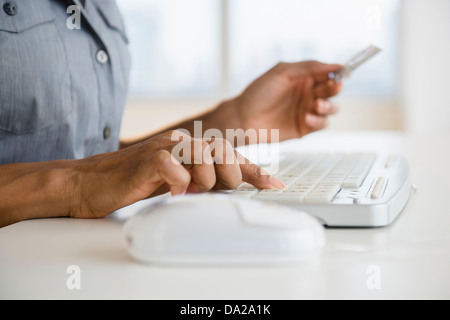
(208, 229)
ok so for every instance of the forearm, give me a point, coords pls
(221, 117)
(35, 190)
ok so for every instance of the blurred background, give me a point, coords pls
(190, 55)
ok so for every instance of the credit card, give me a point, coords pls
(354, 63)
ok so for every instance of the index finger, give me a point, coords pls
(317, 70)
(327, 89)
(256, 175)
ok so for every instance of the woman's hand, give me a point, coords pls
(171, 161)
(291, 97)
(99, 185)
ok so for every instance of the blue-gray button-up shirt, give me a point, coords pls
(62, 90)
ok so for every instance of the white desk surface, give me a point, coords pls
(412, 255)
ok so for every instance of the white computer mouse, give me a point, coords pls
(207, 229)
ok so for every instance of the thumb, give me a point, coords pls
(320, 71)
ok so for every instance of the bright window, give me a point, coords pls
(179, 50)
(174, 46)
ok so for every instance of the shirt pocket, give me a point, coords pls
(35, 88)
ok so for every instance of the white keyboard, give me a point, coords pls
(353, 190)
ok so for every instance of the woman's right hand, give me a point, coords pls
(107, 182)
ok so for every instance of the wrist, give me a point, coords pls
(227, 115)
(36, 190)
(68, 182)
(234, 123)
(58, 185)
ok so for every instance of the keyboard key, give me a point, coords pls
(288, 179)
(324, 193)
(352, 182)
(315, 178)
(294, 196)
(270, 191)
(245, 190)
(301, 188)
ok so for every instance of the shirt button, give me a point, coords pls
(10, 8)
(106, 133)
(102, 56)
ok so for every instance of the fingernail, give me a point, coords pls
(310, 119)
(276, 184)
(324, 106)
